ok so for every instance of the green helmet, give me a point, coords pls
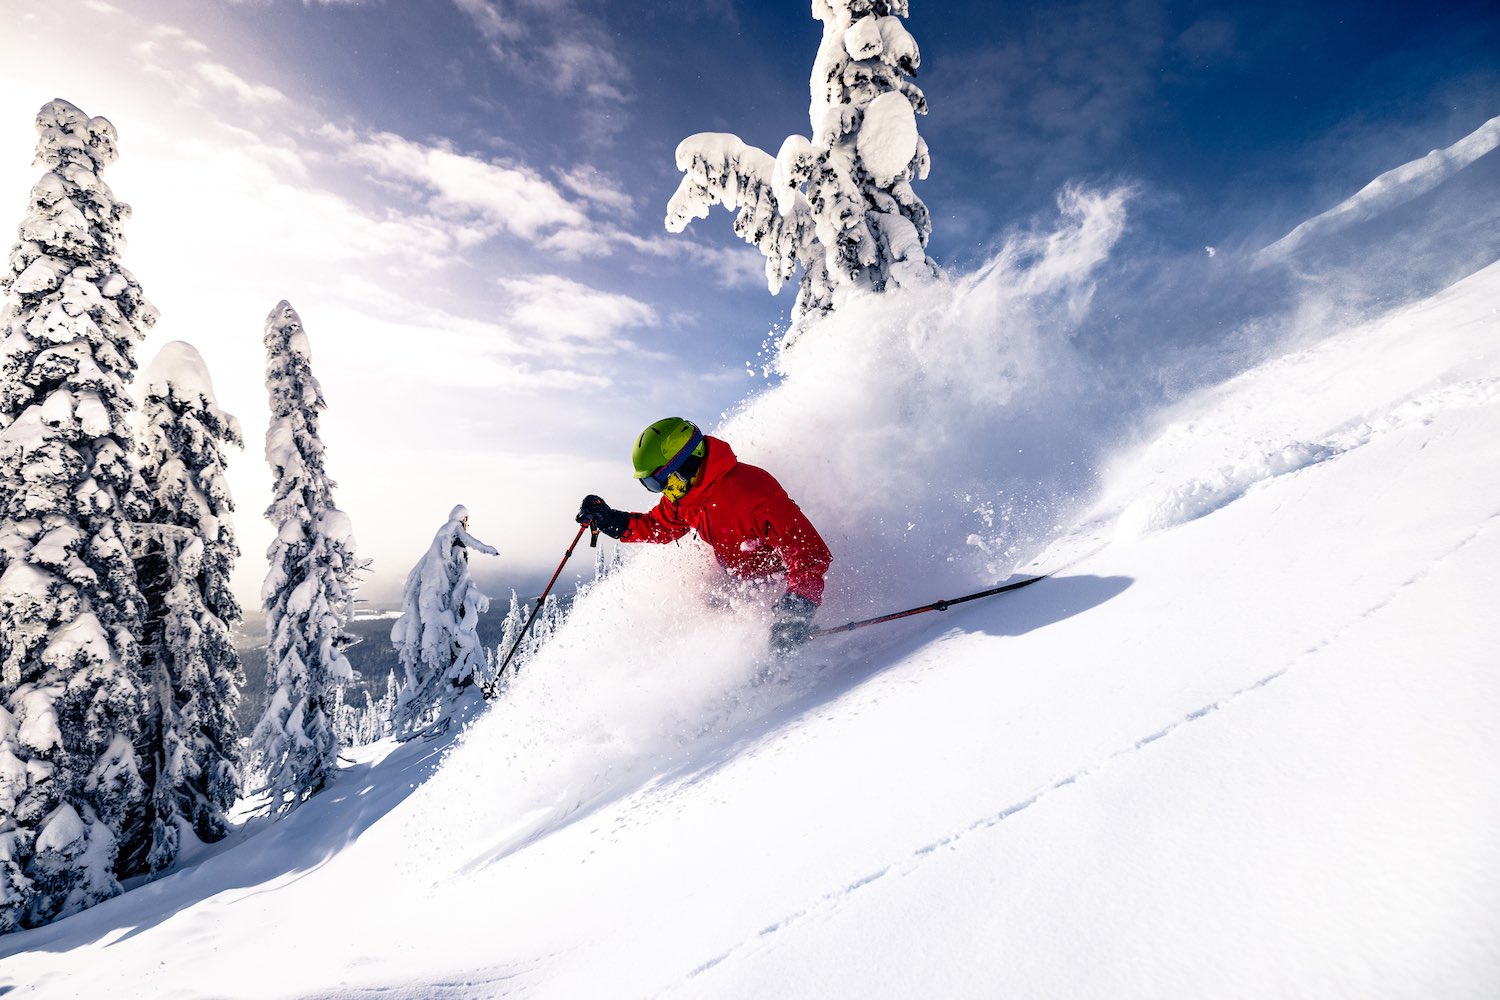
(663, 448)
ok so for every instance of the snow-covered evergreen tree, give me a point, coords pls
(71, 694)
(356, 725)
(840, 203)
(510, 632)
(548, 620)
(510, 628)
(185, 554)
(309, 590)
(375, 720)
(526, 642)
(437, 634)
(385, 708)
(607, 559)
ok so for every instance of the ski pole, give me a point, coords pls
(934, 606)
(489, 689)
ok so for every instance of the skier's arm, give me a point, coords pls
(660, 524)
(802, 549)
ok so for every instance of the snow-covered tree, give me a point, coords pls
(510, 632)
(519, 643)
(385, 708)
(185, 553)
(840, 203)
(607, 560)
(437, 634)
(549, 618)
(309, 590)
(356, 726)
(368, 724)
(71, 694)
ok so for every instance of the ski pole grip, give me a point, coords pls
(593, 537)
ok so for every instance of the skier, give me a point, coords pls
(755, 530)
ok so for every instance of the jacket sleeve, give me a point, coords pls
(801, 548)
(660, 524)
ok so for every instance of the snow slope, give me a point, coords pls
(1241, 744)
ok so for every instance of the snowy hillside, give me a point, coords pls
(1241, 744)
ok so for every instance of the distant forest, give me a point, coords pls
(372, 658)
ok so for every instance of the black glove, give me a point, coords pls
(596, 513)
(791, 622)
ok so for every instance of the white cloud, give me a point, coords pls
(278, 153)
(446, 357)
(178, 37)
(501, 197)
(577, 64)
(602, 240)
(580, 243)
(246, 204)
(495, 25)
(733, 266)
(592, 184)
(560, 309)
(554, 44)
(224, 78)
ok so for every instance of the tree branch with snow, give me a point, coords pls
(840, 203)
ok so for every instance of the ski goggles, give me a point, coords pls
(659, 480)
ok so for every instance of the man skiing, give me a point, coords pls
(755, 530)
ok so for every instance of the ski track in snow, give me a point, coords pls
(466, 988)
(912, 861)
(1212, 491)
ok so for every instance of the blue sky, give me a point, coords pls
(464, 198)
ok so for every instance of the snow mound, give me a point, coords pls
(1392, 188)
(888, 139)
(178, 364)
(1245, 444)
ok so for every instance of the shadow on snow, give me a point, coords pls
(261, 851)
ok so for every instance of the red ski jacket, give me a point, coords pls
(742, 512)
